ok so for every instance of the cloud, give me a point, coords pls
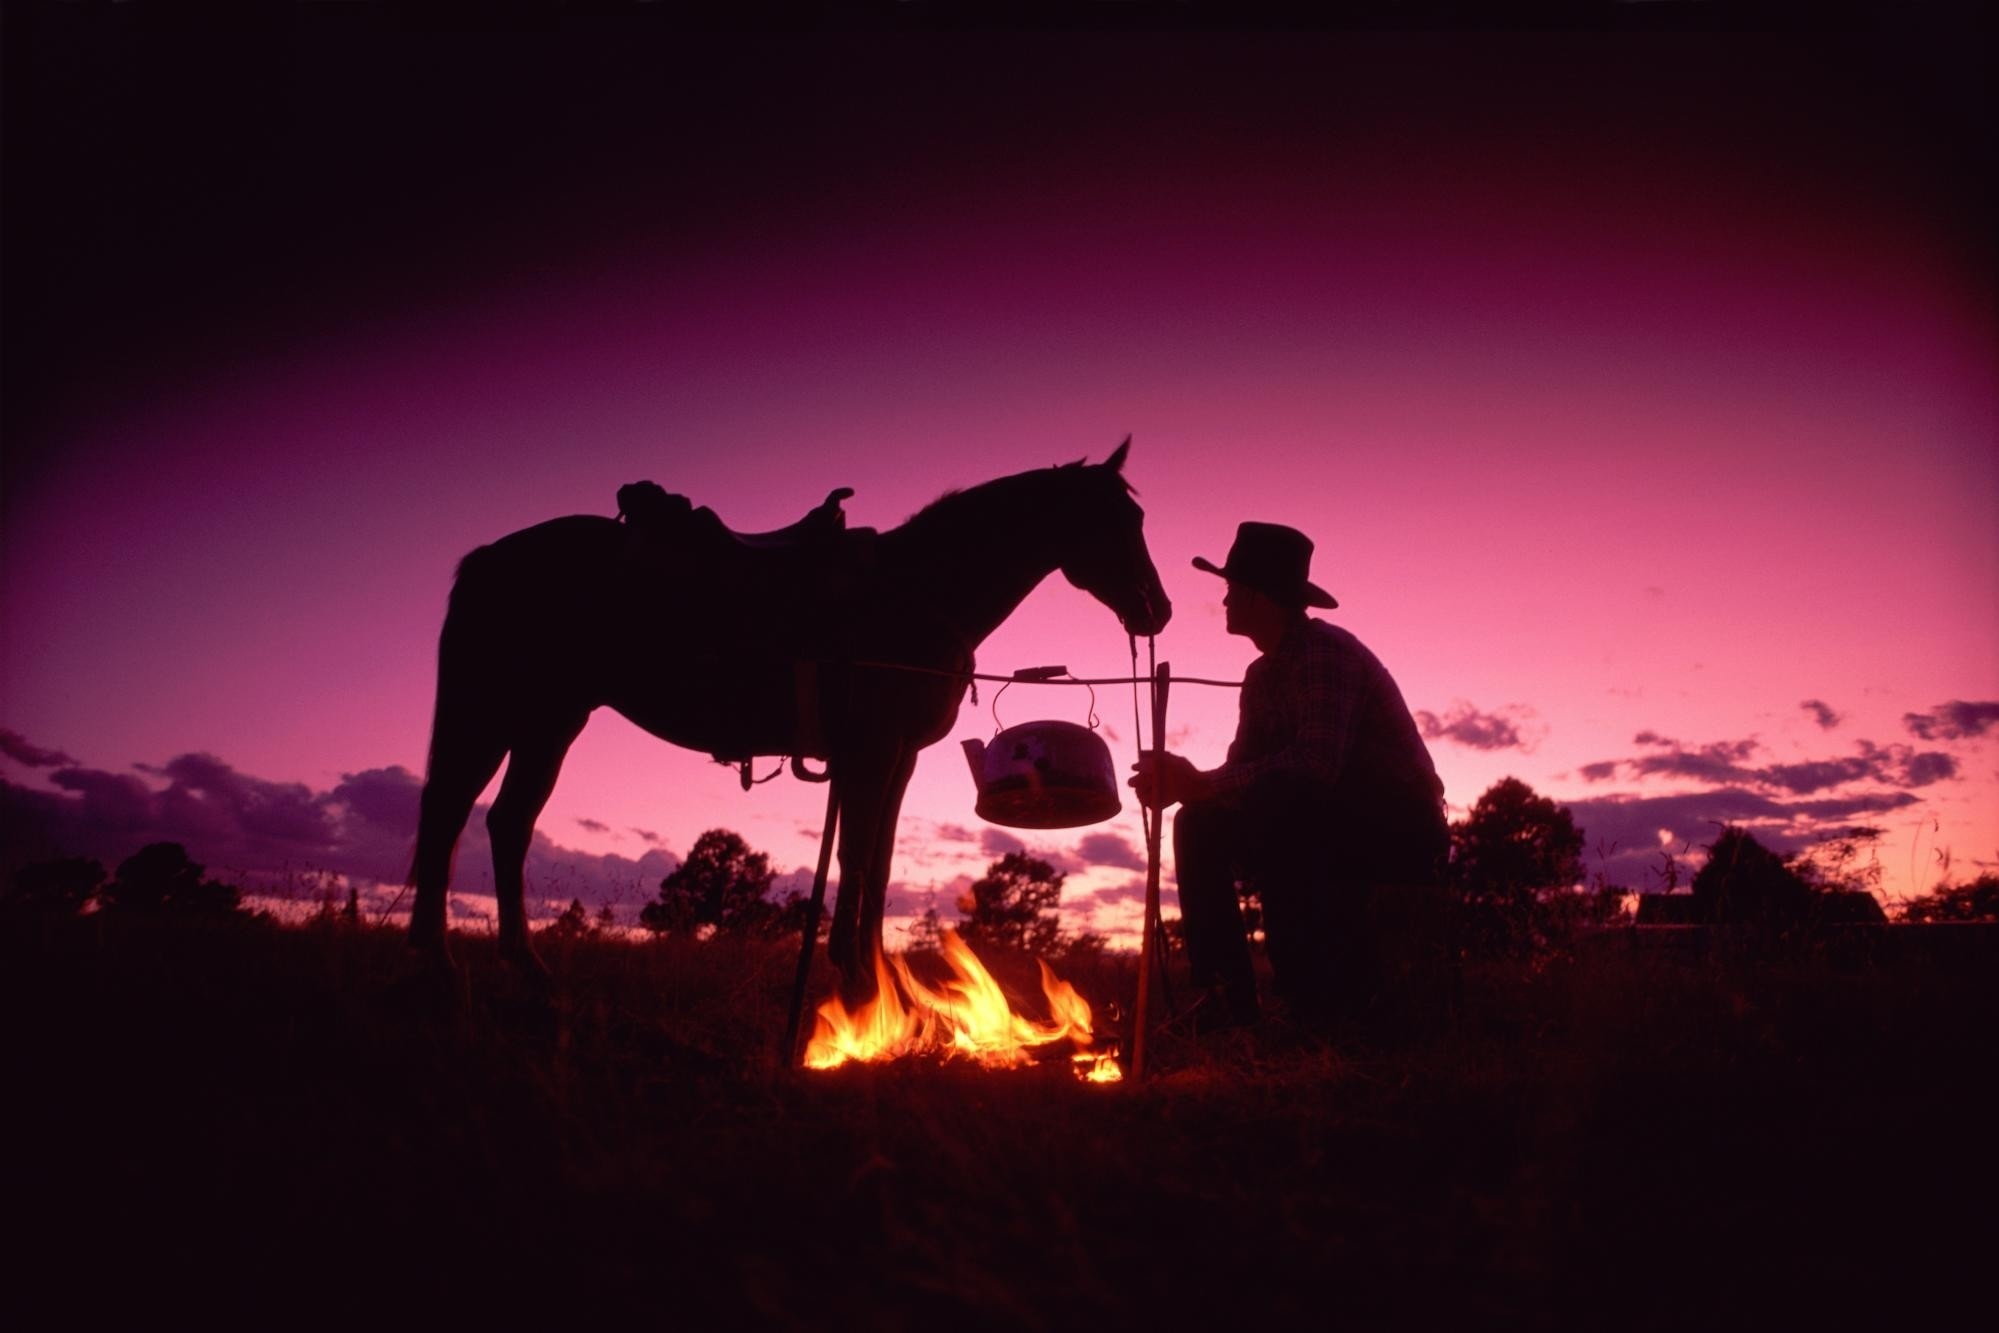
(1715, 762)
(1725, 763)
(1467, 726)
(384, 797)
(998, 842)
(557, 874)
(1822, 713)
(22, 751)
(205, 793)
(953, 833)
(647, 836)
(376, 817)
(266, 832)
(902, 899)
(1953, 721)
(1897, 765)
(1929, 766)
(1110, 849)
(112, 803)
(1130, 891)
(593, 825)
(1624, 836)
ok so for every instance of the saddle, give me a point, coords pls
(783, 595)
(799, 578)
(658, 514)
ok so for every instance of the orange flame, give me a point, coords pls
(964, 1015)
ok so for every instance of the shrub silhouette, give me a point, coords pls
(573, 924)
(160, 878)
(723, 887)
(1744, 881)
(62, 887)
(1515, 861)
(1013, 905)
(1976, 901)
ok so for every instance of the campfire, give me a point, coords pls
(965, 1015)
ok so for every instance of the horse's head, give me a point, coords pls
(1103, 544)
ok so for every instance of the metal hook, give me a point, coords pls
(1094, 719)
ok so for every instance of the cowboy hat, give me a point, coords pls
(1274, 560)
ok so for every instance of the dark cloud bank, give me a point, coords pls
(1788, 806)
(269, 834)
(274, 834)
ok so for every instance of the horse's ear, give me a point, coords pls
(1116, 461)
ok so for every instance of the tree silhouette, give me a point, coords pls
(1976, 901)
(62, 887)
(1744, 881)
(1844, 863)
(722, 885)
(160, 878)
(1013, 905)
(1516, 860)
(926, 933)
(573, 924)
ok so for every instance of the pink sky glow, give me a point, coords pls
(1654, 456)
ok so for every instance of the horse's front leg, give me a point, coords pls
(871, 789)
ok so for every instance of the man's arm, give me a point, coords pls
(1315, 704)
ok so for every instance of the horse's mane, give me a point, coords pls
(959, 504)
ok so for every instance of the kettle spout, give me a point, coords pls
(975, 755)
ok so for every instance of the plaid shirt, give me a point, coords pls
(1321, 706)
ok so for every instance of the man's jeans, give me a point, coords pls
(1313, 868)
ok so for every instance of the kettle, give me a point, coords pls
(1044, 775)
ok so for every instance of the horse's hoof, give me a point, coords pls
(527, 965)
(434, 957)
(433, 986)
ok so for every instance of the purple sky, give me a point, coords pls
(1637, 391)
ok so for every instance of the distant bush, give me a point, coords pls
(1976, 901)
(1516, 874)
(157, 880)
(722, 888)
(161, 878)
(1014, 905)
(62, 887)
(1744, 881)
(573, 924)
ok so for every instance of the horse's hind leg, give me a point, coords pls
(460, 767)
(531, 770)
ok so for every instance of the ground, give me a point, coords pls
(240, 1121)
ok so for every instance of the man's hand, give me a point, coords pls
(1166, 779)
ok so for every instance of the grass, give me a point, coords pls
(239, 1120)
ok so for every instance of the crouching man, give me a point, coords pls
(1328, 804)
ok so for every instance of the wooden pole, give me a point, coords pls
(812, 915)
(1162, 680)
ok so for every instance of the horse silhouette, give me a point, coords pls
(851, 648)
